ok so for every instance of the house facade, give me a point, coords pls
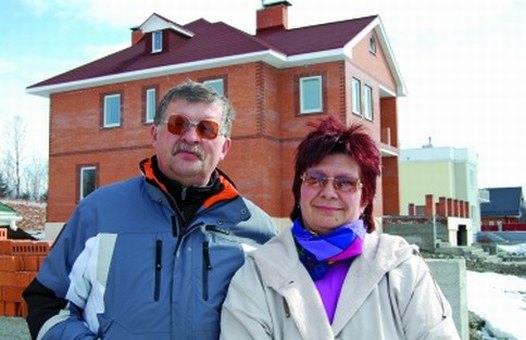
(277, 79)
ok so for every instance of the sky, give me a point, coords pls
(461, 61)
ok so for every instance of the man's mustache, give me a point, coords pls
(195, 149)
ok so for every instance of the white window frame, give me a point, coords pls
(107, 108)
(372, 44)
(304, 80)
(368, 102)
(356, 88)
(150, 104)
(82, 189)
(157, 41)
(213, 84)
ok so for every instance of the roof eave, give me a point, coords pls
(270, 57)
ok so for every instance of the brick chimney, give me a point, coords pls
(272, 15)
(136, 35)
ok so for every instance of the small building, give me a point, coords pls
(446, 173)
(506, 205)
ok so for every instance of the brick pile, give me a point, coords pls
(20, 261)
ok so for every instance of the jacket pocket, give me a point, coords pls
(157, 269)
(207, 266)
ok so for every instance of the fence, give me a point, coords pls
(504, 227)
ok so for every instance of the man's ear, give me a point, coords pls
(226, 147)
(153, 133)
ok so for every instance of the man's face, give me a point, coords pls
(188, 158)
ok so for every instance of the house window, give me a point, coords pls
(112, 110)
(217, 84)
(368, 102)
(372, 44)
(311, 95)
(150, 104)
(157, 41)
(356, 96)
(88, 180)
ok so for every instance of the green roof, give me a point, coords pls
(6, 209)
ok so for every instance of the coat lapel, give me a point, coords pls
(361, 279)
(283, 272)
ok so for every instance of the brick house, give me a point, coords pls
(277, 79)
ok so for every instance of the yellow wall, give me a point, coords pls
(419, 179)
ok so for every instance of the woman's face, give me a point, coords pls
(323, 207)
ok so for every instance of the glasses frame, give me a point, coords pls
(205, 128)
(324, 180)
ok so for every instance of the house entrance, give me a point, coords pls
(462, 235)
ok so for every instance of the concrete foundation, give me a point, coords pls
(450, 275)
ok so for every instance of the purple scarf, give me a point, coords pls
(319, 252)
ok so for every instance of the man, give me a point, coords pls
(151, 257)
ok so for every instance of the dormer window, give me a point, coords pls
(372, 44)
(157, 41)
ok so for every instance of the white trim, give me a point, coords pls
(383, 89)
(318, 109)
(155, 48)
(387, 152)
(105, 110)
(209, 82)
(156, 23)
(148, 103)
(81, 179)
(271, 57)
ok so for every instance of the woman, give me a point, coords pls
(331, 276)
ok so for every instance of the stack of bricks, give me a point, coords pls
(20, 261)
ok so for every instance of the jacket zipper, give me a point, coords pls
(207, 266)
(158, 266)
(211, 227)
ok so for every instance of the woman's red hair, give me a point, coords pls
(330, 137)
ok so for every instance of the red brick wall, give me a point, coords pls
(20, 261)
(266, 131)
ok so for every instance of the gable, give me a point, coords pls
(157, 23)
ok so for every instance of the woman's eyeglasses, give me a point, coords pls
(179, 124)
(341, 183)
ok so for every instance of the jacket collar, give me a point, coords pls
(229, 191)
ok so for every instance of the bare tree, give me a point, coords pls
(14, 138)
(4, 190)
(35, 178)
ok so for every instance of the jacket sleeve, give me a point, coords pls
(424, 310)
(244, 315)
(44, 305)
(54, 297)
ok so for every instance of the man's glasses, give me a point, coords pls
(179, 124)
(315, 179)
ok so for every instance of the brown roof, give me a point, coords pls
(316, 38)
(210, 42)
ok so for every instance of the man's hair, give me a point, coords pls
(195, 92)
(331, 137)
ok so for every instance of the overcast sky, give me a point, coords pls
(461, 60)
